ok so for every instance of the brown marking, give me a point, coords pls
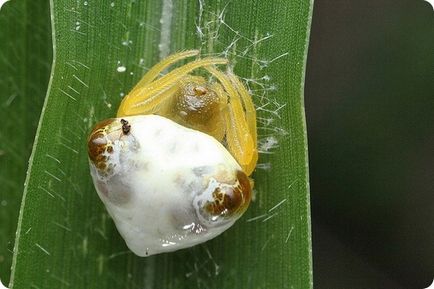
(98, 143)
(102, 165)
(231, 200)
(109, 149)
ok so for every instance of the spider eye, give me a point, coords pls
(200, 90)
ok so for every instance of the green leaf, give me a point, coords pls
(65, 237)
(25, 62)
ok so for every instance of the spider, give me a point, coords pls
(222, 109)
(173, 168)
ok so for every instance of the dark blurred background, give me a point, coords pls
(370, 115)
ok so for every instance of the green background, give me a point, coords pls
(66, 239)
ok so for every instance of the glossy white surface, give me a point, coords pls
(162, 175)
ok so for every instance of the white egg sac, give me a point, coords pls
(166, 187)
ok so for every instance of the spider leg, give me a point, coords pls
(163, 107)
(150, 95)
(240, 140)
(155, 71)
(163, 98)
(250, 115)
(247, 103)
(193, 78)
(218, 125)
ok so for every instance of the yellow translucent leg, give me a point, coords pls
(193, 78)
(148, 96)
(238, 136)
(250, 116)
(155, 71)
(219, 121)
(149, 109)
(247, 102)
(239, 142)
(161, 107)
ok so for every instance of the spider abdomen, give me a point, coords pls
(166, 187)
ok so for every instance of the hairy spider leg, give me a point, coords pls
(219, 121)
(163, 107)
(156, 70)
(149, 95)
(158, 106)
(193, 78)
(238, 136)
(250, 115)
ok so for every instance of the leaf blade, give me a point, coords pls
(92, 42)
(23, 84)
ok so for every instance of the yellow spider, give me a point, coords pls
(180, 177)
(222, 109)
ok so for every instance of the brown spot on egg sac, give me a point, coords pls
(99, 144)
(231, 199)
